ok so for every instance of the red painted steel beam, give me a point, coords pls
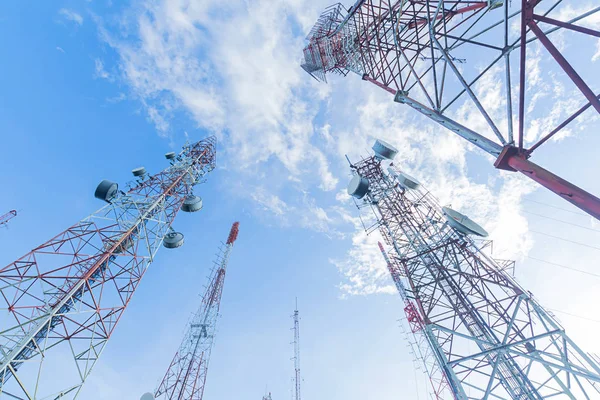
(511, 160)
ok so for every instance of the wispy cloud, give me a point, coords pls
(58, 48)
(100, 72)
(71, 16)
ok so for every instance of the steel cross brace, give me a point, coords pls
(508, 158)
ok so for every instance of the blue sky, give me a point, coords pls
(91, 90)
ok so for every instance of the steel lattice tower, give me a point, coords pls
(186, 377)
(296, 358)
(61, 302)
(420, 51)
(484, 336)
(267, 397)
(421, 349)
(7, 217)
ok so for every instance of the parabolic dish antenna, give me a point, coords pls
(192, 204)
(173, 240)
(384, 151)
(462, 223)
(408, 181)
(141, 171)
(106, 190)
(170, 155)
(147, 396)
(358, 187)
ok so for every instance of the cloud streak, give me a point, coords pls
(71, 15)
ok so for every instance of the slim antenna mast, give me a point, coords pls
(296, 353)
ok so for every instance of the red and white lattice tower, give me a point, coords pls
(186, 377)
(7, 217)
(61, 302)
(480, 333)
(441, 57)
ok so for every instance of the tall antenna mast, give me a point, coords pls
(61, 302)
(297, 377)
(412, 50)
(7, 217)
(186, 376)
(487, 336)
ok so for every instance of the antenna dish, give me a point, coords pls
(192, 204)
(408, 181)
(170, 155)
(462, 223)
(358, 187)
(141, 171)
(147, 396)
(384, 151)
(106, 190)
(173, 240)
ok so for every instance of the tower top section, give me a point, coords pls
(233, 233)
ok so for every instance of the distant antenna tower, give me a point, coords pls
(437, 56)
(186, 376)
(7, 217)
(484, 335)
(296, 358)
(60, 303)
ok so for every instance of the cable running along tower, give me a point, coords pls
(61, 302)
(296, 358)
(481, 335)
(186, 377)
(454, 62)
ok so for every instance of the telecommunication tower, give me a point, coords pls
(433, 55)
(484, 336)
(296, 358)
(7, 217)
(267, 396)
(186, 376)
(61, 302)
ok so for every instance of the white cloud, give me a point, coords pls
(58, 48)
(71, 16)
(100, 72)
(270, 202)
(364, 270)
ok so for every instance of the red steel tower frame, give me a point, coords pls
(414, 49)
